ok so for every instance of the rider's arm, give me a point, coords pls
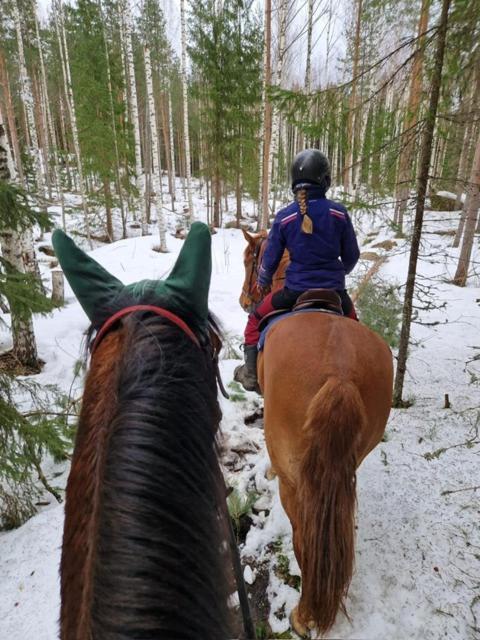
(273, 254)
(350, 251)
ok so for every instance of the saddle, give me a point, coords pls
(326, 300)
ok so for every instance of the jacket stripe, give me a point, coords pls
(289, 218)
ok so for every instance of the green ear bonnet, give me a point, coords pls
(184, 291)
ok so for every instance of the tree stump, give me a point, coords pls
(58, 286)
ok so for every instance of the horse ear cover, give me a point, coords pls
(185, 290)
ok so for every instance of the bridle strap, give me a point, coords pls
(257, 259)
(159, 311)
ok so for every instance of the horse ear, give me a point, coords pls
(189, 281)
(92, 285)
(250, 239)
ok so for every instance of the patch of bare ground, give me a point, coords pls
(10, 365)
(369, 255)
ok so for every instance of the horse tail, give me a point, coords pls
(335, 418)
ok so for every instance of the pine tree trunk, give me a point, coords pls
(347, 171)
(409, 133)
(422, 181)
(186, 133)
(118, 179)
(472, 205)
(5, 82)
(263, 217)
(67, 80)
(155, 173)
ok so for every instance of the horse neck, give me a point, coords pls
(142, 535)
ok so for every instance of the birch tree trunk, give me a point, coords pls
(409, 133)
(186, 134)
(273, 159)
(141, 184)
(347, 171)
(27, 100)
(267, 118)
(155, 173)
(308, 69)
(67, 80)
(422, 181)
(172, 144)
(12, 245)
(472, 205)
(48, 115)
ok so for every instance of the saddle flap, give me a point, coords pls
(320, 299)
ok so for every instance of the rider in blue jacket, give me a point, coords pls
(320, 238)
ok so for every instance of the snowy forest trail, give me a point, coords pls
(418, 540)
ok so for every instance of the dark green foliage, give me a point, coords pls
(226, 50)
(26, 437)
(379, 308)
(16, 212)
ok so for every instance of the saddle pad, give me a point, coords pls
(263, 334)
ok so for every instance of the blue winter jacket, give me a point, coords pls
(319, 260)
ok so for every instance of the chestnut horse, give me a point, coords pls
(144, 520)
(327, 384)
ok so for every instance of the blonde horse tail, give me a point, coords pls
(327, 498)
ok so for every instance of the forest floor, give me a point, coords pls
(418, 524)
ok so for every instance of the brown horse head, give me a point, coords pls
(144, 502)
(252, 259)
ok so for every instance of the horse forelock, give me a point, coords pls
(153, 519)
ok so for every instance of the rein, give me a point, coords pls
(159, 311)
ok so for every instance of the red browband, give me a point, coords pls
(143, 307)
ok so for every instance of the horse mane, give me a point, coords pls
(143, 533)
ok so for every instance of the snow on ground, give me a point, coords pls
(418, 539)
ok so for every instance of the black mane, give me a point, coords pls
(159, 569)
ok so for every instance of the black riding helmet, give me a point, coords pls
(310, 167)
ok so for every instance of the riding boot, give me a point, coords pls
(246, 373)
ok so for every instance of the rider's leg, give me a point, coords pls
(347, 305)
(247, 374)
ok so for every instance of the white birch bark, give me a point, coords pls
(308, 69)
(13, 245)
(48, 115)
(156, 183)
(27, 99)
(69, 99)
(261, 150)
(172, 144)
(282, 35)
(186, 133)
(134, 109)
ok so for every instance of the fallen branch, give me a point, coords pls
(448, 491)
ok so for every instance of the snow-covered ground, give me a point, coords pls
(418, 539)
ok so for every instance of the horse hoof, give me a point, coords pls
(270, 475)
(299, 628)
